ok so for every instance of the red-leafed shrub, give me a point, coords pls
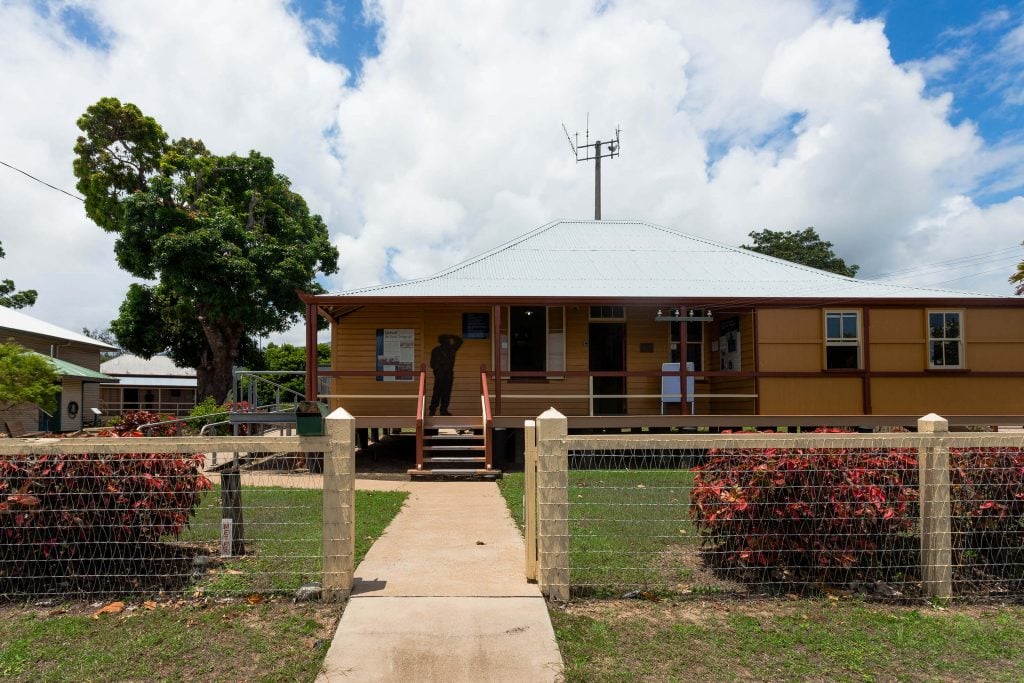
(827, 511)
(62, 513)
(812, 508)
(132, 420)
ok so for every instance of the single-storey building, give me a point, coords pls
(155, 384)
(76, 358)
(607, 320)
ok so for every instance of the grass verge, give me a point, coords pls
(202, 637)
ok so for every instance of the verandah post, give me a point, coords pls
(553, 505)
(530, 498)
(339, 507)
(936, 536)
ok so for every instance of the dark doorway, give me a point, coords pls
(528, 329)
(608, 353)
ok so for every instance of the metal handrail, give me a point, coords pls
(420, 410)
(485, 400)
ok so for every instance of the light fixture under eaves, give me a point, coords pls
(672, 315)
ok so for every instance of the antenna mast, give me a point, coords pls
(592, 151)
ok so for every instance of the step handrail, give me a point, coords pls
(485, 400)
(421, 396)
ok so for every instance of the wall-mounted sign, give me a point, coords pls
(729, 344)
(395, 351)
(476, 325)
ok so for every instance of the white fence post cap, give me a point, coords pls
(932, 424)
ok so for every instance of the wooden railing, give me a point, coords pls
(485, 400)
(421, 396)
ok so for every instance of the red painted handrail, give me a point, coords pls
(420, 407)
(485, 399)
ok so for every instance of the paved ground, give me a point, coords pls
(441, 596)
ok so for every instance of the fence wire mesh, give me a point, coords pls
(767, 514)
(149, 522)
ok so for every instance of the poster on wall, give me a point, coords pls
(729, 344)
(395, 351)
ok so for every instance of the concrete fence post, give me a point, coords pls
(339, 532)
(530, 498)
(936, 537)
(553, 505)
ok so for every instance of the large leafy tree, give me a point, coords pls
(801, 246)
(26, 377)
(10, 297)
(1018, 279)
(223, 241)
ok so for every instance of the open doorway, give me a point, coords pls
(607, 343)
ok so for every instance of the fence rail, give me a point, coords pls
(148, 514)
(900, 515)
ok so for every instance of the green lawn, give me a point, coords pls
(204, 635)
(626, 530)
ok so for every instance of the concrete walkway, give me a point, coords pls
(441, 596)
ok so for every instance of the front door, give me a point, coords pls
(608, 353)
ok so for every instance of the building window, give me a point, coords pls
(528, 327)
(945, 339)
(842, 340)
(694, 343)
(607, 313)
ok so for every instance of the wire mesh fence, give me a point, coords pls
(895, 516)
(150, 515)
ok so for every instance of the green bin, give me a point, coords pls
(309, 418)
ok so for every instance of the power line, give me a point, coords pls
(52, 187)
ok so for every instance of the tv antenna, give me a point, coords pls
(592, 151)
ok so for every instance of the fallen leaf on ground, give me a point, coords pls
(255, 599)
(112, 608)
(233, 572)
(149, 604)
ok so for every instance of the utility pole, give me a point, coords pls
(592, 151)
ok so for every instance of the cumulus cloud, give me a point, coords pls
(736, 116)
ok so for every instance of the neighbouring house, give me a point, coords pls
(76, 358)
(594, 317)
(155, 384)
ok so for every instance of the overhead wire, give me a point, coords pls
(39, 180)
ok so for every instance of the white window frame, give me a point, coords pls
(842, 341)
(606, 318)
(960, 340)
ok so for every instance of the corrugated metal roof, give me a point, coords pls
(17, 321)
(67, 369)
(157, 366)
(622, 259)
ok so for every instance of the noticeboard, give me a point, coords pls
(476, 325)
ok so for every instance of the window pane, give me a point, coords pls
(935, 325)
(935, 352)
(694, 332)
(952, 326)
(832, 325)
(951, 352)
(841, 357)
(850, 326)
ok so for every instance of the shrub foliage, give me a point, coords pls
(833, 512)
(91, 515)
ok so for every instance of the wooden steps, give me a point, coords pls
(453, 447)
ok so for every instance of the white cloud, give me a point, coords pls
(736, 116)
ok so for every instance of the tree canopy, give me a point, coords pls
(26, 377)
(223, 240)
(1018, 279)
(801, 246)
(10, 297)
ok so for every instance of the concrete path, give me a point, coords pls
(441, 596)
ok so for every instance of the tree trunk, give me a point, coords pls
(214, 373)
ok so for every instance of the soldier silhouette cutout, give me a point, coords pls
(442, 362)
